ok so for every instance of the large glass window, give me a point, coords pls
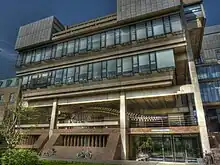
(141, 31)
(165, 59)
(96, 42)
(59, 50)
(144, 63)
(158, 27)
(135, 64)
(71, 47)
(54, 51)
(38, 55)
(111, 68)
(59, 76)
(83, 72)
(153, 63)
(97, 71)
(175, 23)
(119, 66)
(83, 44)
(25, 80)
(110, 38)
(64, 49)
(70, 75)
(33, 56)
(125, 34)
(127, 65)
(47, 53)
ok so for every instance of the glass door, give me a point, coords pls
(157, 149)
(179, 153)
(168, 148)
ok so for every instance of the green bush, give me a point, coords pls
(20, 157)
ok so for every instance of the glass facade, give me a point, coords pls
(178, 148)
(126, 34)
(210, 91)
(126, 66)
(208, 72)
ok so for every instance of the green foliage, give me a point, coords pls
(145, 143)
(20, 157)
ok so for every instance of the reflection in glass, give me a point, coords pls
(165, 59)
(158, 27)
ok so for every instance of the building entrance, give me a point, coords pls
(177, 148)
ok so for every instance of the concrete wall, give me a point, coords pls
(132, 8)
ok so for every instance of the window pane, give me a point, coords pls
(103, 40)
(135, 64)
(64, 49)
(59, 76)
(28, 58)
(70, 75)
(54, 51)
(90, 72)
(110, 38)
(158, 27)
(96, 41)
(104, 69)
(141, 31)
(83, 72)
(70, 47)
(127, 65)
(117, 36)
(111, 68)
(125, 34)
(33, 56)
(38, 55)
(64, 76)
(175, 23)
(97, 71)
(25, 80)
(153, 63)
(89, 43)
(144, 63)
(59, 50)
(167, 24)
(149, 29)
(76, 74)
(119, 66)
(165, 59)
(77, 46)
(133, 33)
(47, 53)
(83, 44)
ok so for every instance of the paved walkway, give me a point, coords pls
(127, 162)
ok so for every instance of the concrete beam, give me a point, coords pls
(123, 127)
(88, 124)
(53, 119)
(168, 91)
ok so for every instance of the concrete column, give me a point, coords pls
(199, 108)
(123, 127)
(53, 121)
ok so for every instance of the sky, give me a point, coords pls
(15, 13)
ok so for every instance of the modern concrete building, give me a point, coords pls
(108, 84)
(208, 70)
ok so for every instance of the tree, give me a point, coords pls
(12, 116)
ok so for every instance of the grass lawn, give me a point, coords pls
(47, 162)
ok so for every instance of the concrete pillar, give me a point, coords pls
(53, 121)
(123, 127)
(199, 108)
